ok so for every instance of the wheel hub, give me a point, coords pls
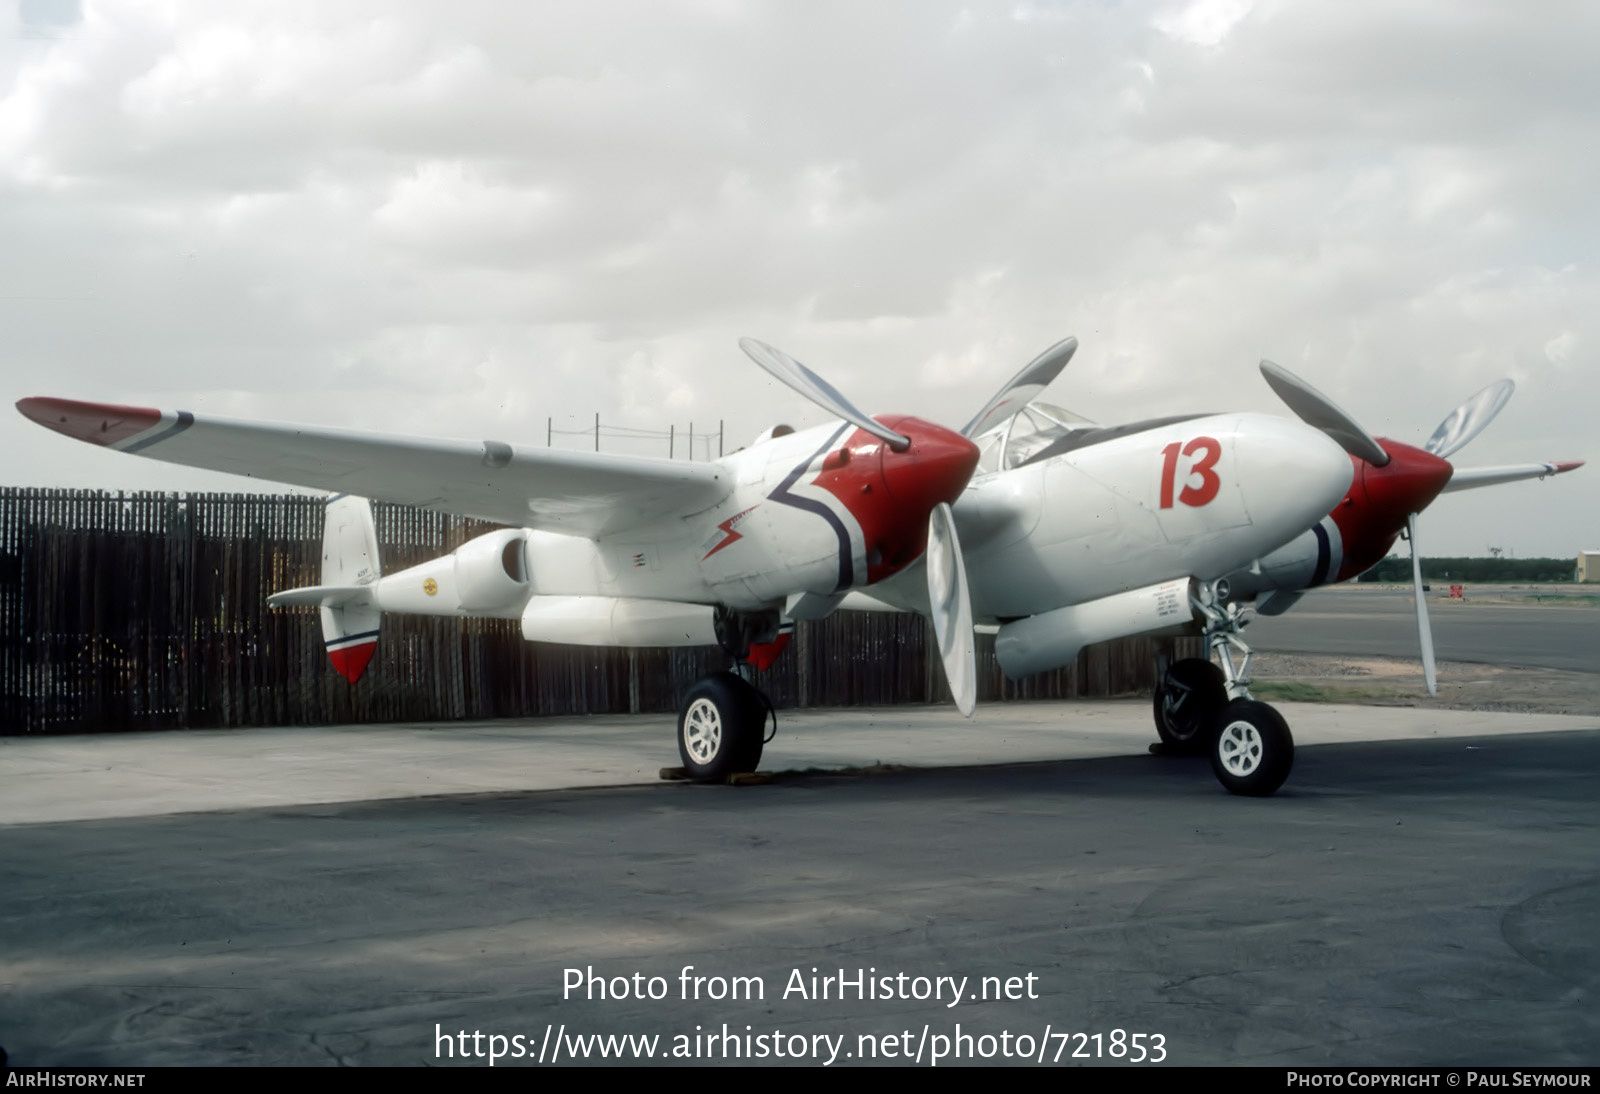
(702, 731)
(1239, 748)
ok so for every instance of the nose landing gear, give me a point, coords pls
(1204, 705)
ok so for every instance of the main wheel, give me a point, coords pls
(1251, 748)
(1188, 696)
(719, 727)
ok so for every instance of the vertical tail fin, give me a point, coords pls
(349, 558)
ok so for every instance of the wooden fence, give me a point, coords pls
(148, 611)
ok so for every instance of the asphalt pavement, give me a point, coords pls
(1424, 890)
(1512, 629)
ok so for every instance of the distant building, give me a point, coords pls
(1588, 566)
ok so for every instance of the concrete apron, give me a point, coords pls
(52, 779)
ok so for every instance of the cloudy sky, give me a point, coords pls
(465, 219)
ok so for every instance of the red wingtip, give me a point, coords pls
(1568, 465)
(352, 661)
(96, 423)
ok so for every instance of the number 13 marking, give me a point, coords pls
(1209, 482)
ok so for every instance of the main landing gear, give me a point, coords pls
(1204, 706)
(723, 718)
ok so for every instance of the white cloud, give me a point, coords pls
(1203, 22)
(467, 220)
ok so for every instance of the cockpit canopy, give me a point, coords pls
(1033, 427)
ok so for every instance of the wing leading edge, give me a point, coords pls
(577, 493)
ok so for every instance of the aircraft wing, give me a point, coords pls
(577, 493)
(1465, 478)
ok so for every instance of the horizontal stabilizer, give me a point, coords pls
(857, 601)
(317, 596)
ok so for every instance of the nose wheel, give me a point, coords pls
(1252, 750)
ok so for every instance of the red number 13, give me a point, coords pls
(1209, 482)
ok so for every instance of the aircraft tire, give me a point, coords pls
(1251, 748)
(1188, 698)
(720, 727)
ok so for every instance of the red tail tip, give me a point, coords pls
(352, 661)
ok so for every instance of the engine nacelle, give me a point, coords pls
(617, 621)
(491, 571)
(1053, 639)
(484, 576)
(1313, 558)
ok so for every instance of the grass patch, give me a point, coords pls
(1293, 691)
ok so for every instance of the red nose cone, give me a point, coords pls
(1374, 513)
(891, 493)
(1407, 484)
(937, 466)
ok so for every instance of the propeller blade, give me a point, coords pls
(1023, 387)
(1467, 420)
(951, 606)
(1424, 628)
(1316, 409)
(818, 390)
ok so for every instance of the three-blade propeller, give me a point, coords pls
(949, 598)
(1460, 426)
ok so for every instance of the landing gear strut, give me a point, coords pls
(1204, 705)
(723, 717)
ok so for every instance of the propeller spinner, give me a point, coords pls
(924, 470)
